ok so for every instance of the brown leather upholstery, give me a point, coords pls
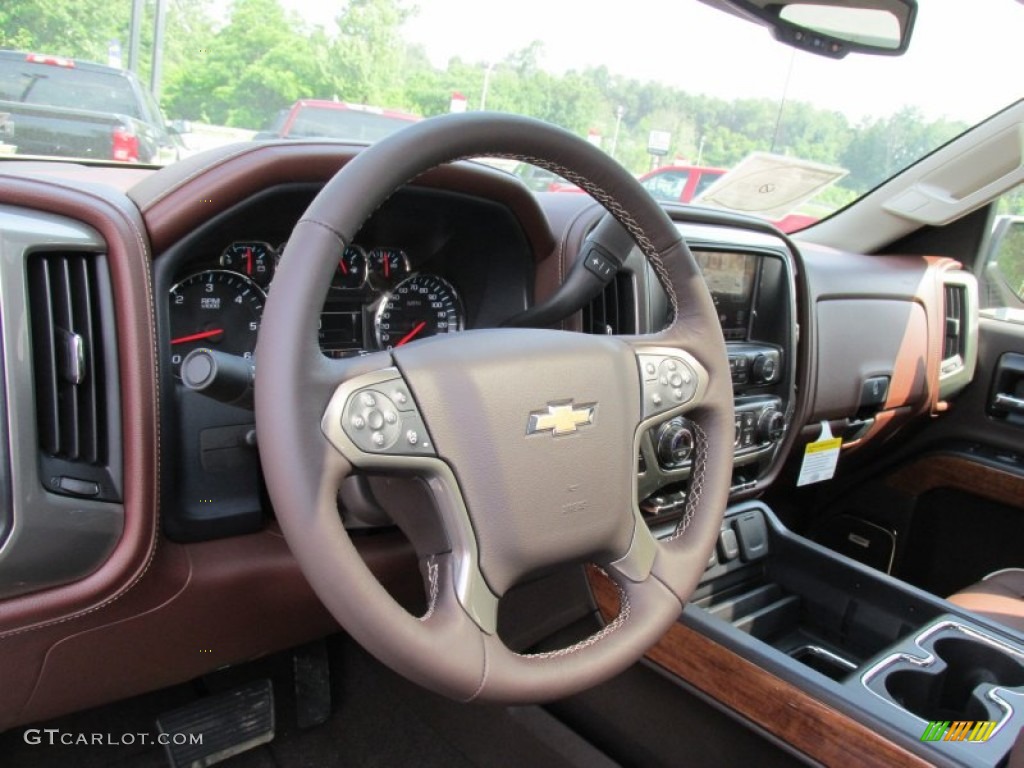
(999, 597)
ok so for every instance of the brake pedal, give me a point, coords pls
(220, 726)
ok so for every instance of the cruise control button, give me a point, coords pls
(375, 419)
(391, 417)
(368, 400)
(378, 439)
(358, 422)
(412, 437)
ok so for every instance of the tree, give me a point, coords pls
(259, 63)
(75, 28)
(369, 55)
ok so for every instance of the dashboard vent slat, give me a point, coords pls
(611, 311)
(953, 338)
(68, 353)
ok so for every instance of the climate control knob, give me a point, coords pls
(771, 425)
(764, 369)
(675, 442)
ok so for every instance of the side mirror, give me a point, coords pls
(832, 28)
(180, 127)
(1004, 265)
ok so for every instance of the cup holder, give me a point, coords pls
(948, 688)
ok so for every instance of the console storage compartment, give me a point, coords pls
(790, 594)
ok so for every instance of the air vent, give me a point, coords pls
(68, 351)
(70, 310)
(612, 311)
(955, 304)
(959, 332)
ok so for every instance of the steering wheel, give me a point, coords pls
(527, 439)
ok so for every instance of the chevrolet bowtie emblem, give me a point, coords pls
(561, 419)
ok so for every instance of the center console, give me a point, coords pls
(751, 285)
(946, 685)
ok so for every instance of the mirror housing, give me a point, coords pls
(832, 28)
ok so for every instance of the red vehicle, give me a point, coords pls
(308, 118)
(679, 183)
(684, 183)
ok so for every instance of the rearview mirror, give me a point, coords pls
(832, 28)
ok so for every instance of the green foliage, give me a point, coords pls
(259, 63)
(78, 28)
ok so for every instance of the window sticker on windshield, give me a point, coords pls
(820, 458)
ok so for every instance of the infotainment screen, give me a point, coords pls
(730, 278)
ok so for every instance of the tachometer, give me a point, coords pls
(216, 309)
(422, 305)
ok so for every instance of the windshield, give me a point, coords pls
(661, 85)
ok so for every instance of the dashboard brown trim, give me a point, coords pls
(785, 711)
(180, 197)
(129, 258)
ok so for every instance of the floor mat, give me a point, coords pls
(379, 719)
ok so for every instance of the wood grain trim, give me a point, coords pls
(959, 474)
(782, 709)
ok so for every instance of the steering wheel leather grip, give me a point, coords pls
(527, 439)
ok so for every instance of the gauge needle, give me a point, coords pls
(412, 334)
(199, 336)
(248, 261)
(344, 269)
(387, 269)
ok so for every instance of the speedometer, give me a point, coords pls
(422, 305)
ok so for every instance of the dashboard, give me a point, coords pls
(422, 266)
(426, 263)
(148, 537)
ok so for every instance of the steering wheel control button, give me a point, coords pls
(673, 383)
(366, 421)
(380, 418)
(399, 394)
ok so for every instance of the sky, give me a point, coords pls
(953, 68)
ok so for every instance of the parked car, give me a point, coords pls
(319, 118)
(679, 183)
(54, 105)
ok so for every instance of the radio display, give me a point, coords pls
(730, 279)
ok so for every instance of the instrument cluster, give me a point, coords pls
(375, 301)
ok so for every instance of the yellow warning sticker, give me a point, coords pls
(820, 458)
